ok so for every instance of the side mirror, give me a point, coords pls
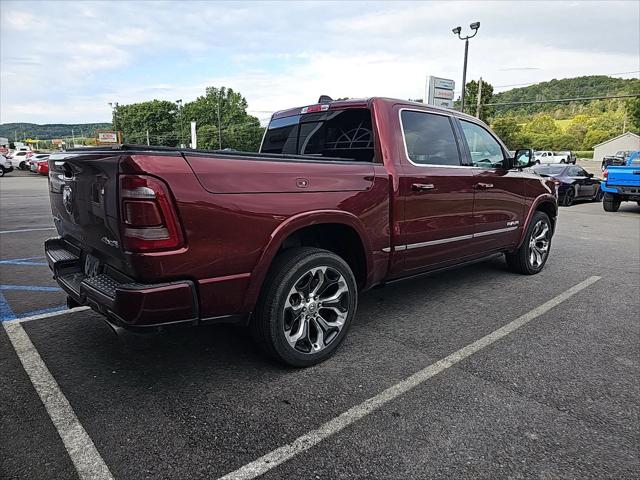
(523, 158)
(590, 175)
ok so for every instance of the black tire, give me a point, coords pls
(610, 202)
(22, 166)
(2, 171)
(521, 261)
(269, 323)
(568, 197)
(599, 195)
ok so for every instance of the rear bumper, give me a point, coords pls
(123, 301)
(632, 192)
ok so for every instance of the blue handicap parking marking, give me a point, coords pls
(30, 288)
(7, 313)
(24, 261)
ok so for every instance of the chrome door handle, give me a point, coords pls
(421, 187)
(484, 186)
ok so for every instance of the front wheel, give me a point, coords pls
(2, 171)
(532, 255)
(306, 306)
(611, 202)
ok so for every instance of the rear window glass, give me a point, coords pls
(549, 169)
(429, 138)
(344, 134)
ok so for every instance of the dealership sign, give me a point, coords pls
(107, 137)
(440, 92)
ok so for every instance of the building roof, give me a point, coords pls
(619, 136)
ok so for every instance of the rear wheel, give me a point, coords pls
(22, 166)
(611, 202)
(569, 197)
(532, 255)
(306, 306)
(2, 171)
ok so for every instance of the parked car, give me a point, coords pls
(619, 159)
(42, 167)
(573, 182)
(622, 184)
(35, 159)
(5, 165)
(20, 159)
(283, 240)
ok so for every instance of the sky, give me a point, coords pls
(63, 62)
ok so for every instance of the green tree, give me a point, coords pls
(238, 129)
(158, 117)
(543, 125)
(508, 129)
(594, 137)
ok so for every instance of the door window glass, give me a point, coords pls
(485, 150)
(577, 172)
(429, 138)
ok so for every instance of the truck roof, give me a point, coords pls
(366, 102)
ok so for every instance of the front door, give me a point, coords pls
(498, 209)
(586, 186)
(436, 191)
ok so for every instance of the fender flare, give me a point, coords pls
(544, 198)
(291, 225)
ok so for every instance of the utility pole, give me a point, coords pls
(179, 103)
(219, 131)
(148, 137)
(479, 98)
(73, 135)
(474, 26)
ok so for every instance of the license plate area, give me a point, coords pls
(91, 265)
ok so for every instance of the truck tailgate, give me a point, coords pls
(623, 176)
(84, 201)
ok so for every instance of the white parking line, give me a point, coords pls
(84, 455)
(308, 440)
(28, 230)
(47, 315)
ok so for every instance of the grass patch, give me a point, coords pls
(584, 153)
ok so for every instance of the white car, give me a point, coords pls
(5, 165)
(20, 159)
(544, 156)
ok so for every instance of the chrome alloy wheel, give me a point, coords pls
(316, 309)
(539, 244)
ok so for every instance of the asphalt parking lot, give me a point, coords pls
(541, 377)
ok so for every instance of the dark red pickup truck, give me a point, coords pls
(343, 196)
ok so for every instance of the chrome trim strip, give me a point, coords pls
(494, 232)
(440, 241)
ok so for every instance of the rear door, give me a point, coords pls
(435, 190)
(498, 207)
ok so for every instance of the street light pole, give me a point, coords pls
(474, 26)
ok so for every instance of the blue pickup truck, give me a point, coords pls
(621, 184)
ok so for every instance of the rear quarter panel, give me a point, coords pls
(231, 238)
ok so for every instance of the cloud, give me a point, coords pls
(283, 54)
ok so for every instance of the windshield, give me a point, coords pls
(339, 133)
(549, 169)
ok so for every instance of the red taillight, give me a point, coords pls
(149, 220)
(605, 174)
